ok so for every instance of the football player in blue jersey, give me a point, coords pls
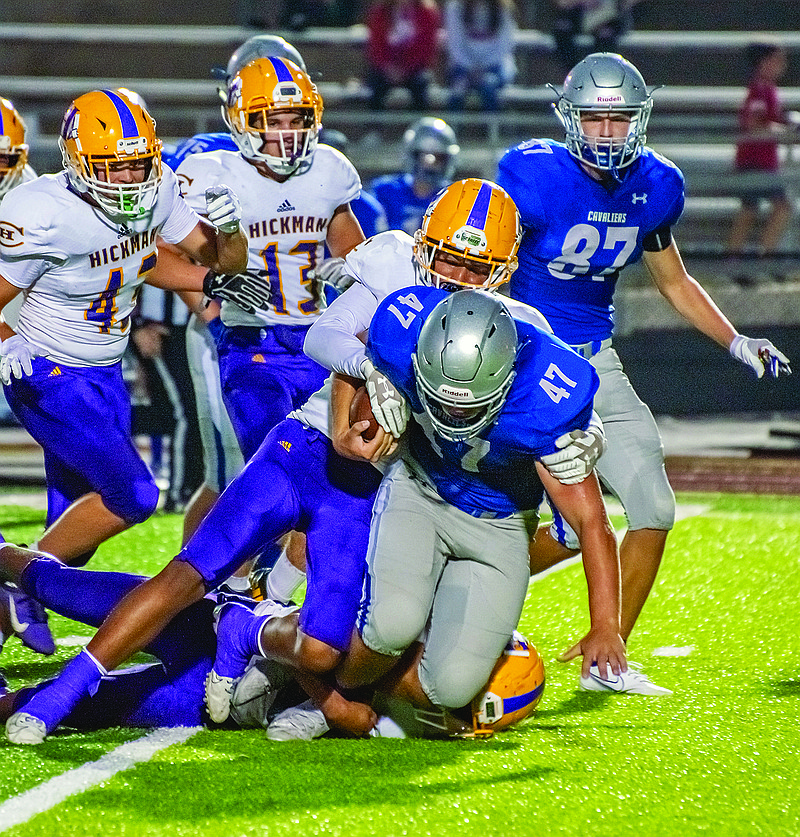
(430, 153)
(590, 206)
(489, 396)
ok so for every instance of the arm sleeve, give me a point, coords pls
(332, 341)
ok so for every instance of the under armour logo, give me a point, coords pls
(636, 198)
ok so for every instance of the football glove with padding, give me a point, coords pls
(250, 291)
(760, 355)
(389, 406)
(223, 208)
(580, 450)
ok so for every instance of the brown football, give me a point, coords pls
(360, 410)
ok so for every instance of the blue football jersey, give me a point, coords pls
(404, 210)
(197, 144)
(493, 473)
(579, 233)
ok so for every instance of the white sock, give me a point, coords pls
(284, 579)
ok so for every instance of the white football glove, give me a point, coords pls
(389, 407)
(331, 272)
(580, 450)
(760, 355)
(223, 208)
(16, 356)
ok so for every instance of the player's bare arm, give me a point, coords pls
(583, 508)
(344, 231)
(686, 295)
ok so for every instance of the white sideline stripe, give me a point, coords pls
(681, 513)
(20, 809)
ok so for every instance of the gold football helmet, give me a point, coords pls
(13, 149)
(473, 220)
(514, 688)
(103, 131)
(266, 86)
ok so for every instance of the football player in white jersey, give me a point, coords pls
(20, 615)
(78, 245)
(295, 199)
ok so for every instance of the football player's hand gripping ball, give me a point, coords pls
(223, 208)
(389, 407)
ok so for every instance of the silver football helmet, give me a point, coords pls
(431, 152)
(263, 46)
(604, 82)
(464, 363)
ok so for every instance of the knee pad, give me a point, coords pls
(454, 684)
(394, 625)
(134, 504)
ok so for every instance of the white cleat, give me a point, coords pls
(219, 691)
(298, 723)
(387, 728)
(632, 682)
(22, 728)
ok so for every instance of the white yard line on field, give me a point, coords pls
(20, 809)
(682, 511)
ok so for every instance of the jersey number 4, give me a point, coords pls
(103, 308)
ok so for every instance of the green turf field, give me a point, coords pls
(720, 757)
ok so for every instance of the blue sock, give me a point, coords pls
(239, 642)
(80, 677)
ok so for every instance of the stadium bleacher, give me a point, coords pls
(693, 48)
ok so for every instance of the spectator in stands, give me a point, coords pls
(402, 49)
(761, 120)
(604, 21)
(480, 49)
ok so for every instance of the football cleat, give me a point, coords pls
(232, 621)
(3, 683)
(387, 728)
(28, 619)
(22, 728)
(255, 692)
(102, 131)
(631, 682)
(514, 688)
(475, 221)
(298, 723)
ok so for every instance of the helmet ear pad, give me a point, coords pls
(464, 363)
(604, 82)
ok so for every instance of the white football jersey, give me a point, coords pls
(381, 265)
(80, 272)
(286, 223)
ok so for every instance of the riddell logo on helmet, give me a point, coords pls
(452, 392)
(604, 99)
